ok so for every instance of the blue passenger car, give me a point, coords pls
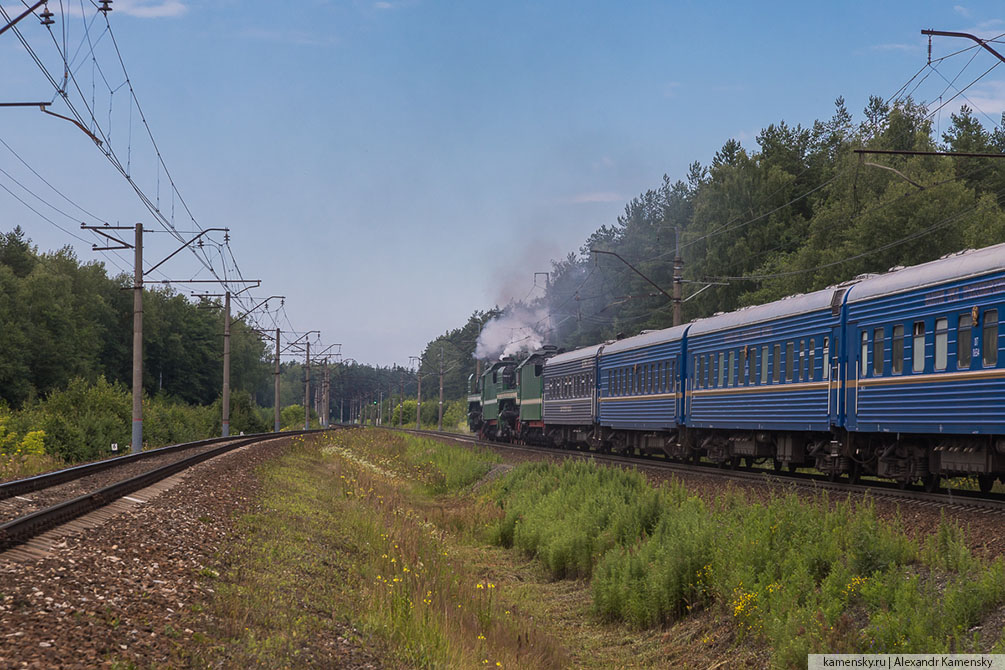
(926, 384)
(764, 381)
(640, 391)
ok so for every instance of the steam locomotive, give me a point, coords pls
(898, 376)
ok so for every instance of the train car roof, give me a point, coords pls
(802, 303)
(574, 355)
(965, 264)
(651, 338)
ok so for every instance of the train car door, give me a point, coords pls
(834, 374)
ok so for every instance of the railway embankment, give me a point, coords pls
(442, 555)
(368, 548)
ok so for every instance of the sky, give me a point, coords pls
(392, 166)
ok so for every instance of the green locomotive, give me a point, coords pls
(505, 403)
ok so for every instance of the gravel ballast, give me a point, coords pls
(132, 592)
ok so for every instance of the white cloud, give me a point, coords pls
(594, 196)
(383, 5)
(987, 98)
(895, 47)
(670, 89)
(987, 30)
(962, 11)
(151, 9)
(295, 37)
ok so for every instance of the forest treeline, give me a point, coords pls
(798, 212)
(801, 212)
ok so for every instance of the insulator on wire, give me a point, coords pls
(47, 17)
(106, 6)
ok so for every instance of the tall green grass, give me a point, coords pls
(568, 516)
(801, 577)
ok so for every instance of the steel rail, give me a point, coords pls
(21, 486)
(22, 529)
(958, 498)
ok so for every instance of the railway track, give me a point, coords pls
(30, 507)
(946, 498)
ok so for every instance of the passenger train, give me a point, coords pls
(898, 376)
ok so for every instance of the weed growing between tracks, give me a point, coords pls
(800, 578)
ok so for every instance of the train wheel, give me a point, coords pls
(985, 482)
(931, 482)
(777, 465)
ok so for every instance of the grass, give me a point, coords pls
(351, 536)
(397, 543)
(801, 578)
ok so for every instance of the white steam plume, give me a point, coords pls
(516, 329)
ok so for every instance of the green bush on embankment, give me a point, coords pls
(82, 421)
(803, 578)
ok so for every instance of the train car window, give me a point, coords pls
(673, 375)
(753, 365)
(864, 355)
(941, 343)
(731, 371)
(878, 340)
(897, 350)
(964, 331)
(776, 363)
(701, 371)
(827, 358)
(720, 369)
(538, 369)
(790, 360)
(638, 380)
(764, 364)
(989, 338)
(797, 360)
(918, 347)
(741, 376)
(650, 382)
(609, 376)
(811, 347)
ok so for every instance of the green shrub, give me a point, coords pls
(804, 578)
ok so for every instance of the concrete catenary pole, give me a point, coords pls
(326, 401)
(418, 398)
(678, 279)
(226, 365)
(439, 423)
(137, 445)
(276, 409)
(307, 387)
(401, 398)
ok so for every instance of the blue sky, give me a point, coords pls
(392, 166)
